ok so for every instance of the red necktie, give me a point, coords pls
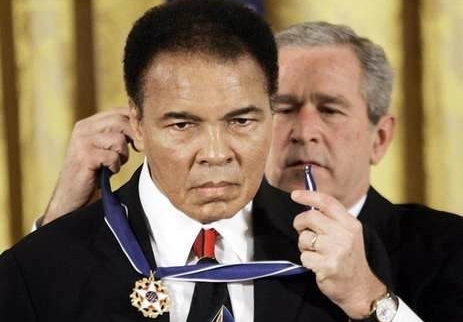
(208, 298)
(204, 244)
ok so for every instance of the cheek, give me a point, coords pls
(257, 158)
(281, 130)
(256, 148)
(164, 156)
(354, 143)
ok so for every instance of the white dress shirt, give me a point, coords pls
(172, 236)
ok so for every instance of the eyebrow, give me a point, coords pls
(244, 110)
(327, 98)
(315, 98)
(285, 99)
(192, 117)
(180, 116)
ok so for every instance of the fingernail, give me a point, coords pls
(295, 194)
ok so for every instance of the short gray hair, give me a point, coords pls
(377, 72)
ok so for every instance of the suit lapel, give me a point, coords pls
(381, 234)
(276, 239)
(378, 214)
(129, 196)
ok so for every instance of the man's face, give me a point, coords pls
(206, 132)
(321, 118)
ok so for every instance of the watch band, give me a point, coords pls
(373, 315)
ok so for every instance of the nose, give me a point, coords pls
(306, 126)
(216, 150)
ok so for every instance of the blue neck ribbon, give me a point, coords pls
(116, 217)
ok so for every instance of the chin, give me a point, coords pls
(211, 219)
(216, 211)
(291, 182)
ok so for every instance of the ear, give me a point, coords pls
(136, 124)
(382, 137)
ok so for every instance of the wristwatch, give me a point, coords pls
(383, 309)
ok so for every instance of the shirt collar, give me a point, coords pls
(356, 208)
(174, 232)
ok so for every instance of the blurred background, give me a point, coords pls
(61, 62)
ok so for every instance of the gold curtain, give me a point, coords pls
(61, 61)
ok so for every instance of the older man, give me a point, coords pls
(199, 75)
(331, 111)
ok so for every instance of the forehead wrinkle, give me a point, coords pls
(285, 99)
(167, 69)
(182, 83)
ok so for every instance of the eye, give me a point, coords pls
(181, 125)
(241, 121)
(283, 109)
(326, 109)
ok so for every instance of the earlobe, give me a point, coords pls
(384, 132)
(136, 124)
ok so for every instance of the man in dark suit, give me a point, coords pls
(325, 115)
(331, 111)
(199, 75)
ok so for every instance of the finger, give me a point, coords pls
(326, 204)
(108, 158)
(307, 241)
(315, 221)
(111, 121)
(313, 242)
(116, 142)
(114, 166)
(114, 111)
(312, 261)
(92, 150)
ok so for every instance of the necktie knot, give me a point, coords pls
(204, 245)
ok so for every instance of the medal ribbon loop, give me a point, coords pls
(116, 219)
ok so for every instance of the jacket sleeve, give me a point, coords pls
(15, 302)
(443, 300)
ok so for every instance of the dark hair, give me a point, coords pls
(222, 29)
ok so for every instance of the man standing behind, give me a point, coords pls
(331, 111)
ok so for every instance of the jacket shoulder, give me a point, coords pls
(431, 223)
(77, 227)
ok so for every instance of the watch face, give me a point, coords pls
(386, 310)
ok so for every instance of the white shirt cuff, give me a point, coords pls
(405, 314)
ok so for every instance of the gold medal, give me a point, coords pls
(150, 297)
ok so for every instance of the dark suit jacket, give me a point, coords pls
(74, 270)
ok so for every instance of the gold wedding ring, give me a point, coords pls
(313, 242)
